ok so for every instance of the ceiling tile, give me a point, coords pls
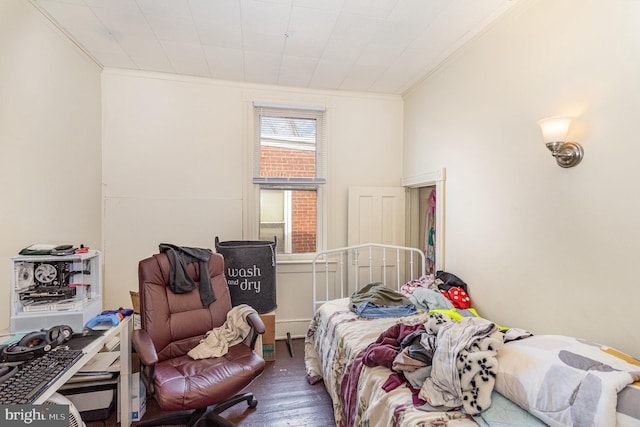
(98, 41)
(357, 28)
(124, 24)
(311, 23)
(265, 18)
(77, 2)
(148, 54)
(395, 33)
(378, 55)
(177, 9)
(402, 73)
(260, 42)
(341, 49)
(221, 34)
(361, 77)
(279, 2)
(187, 58)
(296, 71)
(174, 30)
(125, 6)
(297, 45)
(377, 8)
(215, 11)
(329, 74)
(261, 67)
(225, 63)
(334, 6)
(418, 12)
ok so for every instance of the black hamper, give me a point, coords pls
(250, 269)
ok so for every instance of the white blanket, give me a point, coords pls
(217, 341)
(464, 365)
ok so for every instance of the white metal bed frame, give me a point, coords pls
(340, 257)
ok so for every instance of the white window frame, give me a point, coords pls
(318, 184)
(288, 221)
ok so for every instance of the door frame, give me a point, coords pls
(435, 178)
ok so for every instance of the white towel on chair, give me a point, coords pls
(217, 341)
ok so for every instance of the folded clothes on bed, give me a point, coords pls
(378, 293)
(374, 311)
(375, 301)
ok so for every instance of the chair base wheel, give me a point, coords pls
(252, 403)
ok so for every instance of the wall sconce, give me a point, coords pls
(554, 133)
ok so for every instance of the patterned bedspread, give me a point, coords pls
(333, 343)
(561, 380)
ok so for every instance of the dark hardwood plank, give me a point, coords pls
(285, 398)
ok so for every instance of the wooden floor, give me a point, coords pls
(284, 397)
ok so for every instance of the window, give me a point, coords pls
(289, 170)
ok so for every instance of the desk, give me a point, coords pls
(123, 330)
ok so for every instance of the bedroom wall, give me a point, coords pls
(50, 128)
(543, 248)
(177, 162)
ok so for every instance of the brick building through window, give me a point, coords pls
(291, 162)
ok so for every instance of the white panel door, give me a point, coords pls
(376, 215)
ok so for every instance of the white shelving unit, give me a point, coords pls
(49, 290)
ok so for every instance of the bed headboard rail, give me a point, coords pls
(339, 272)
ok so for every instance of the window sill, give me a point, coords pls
(294, 258)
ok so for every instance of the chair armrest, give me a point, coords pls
(255, 321)
(143, 345)
(257, 328)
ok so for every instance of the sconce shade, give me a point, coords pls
(554, 133)
(554, 129)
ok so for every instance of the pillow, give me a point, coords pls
(564, 381)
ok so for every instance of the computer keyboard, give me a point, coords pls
(34, 376)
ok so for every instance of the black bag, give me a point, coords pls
(250, 270)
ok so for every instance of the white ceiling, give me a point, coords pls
(381, 46)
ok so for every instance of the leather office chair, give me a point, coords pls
(172, 324)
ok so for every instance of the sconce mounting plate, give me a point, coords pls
(567, 154)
